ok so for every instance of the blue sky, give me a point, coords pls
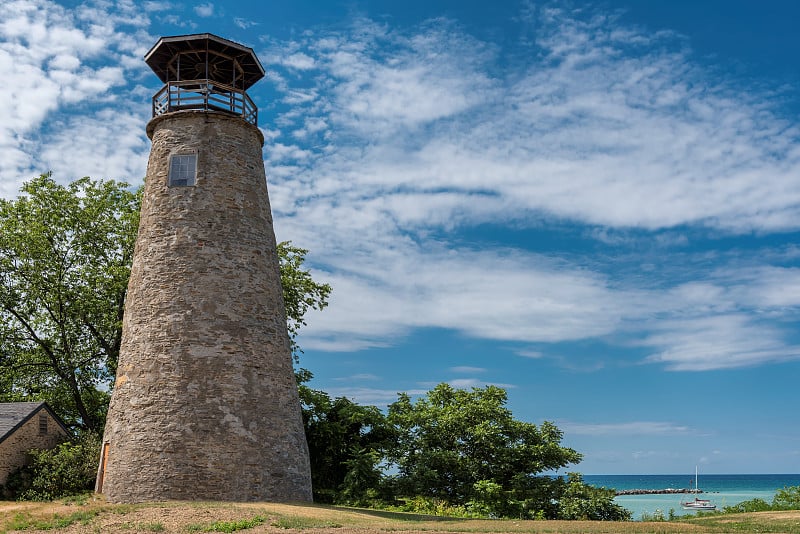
(594, 205)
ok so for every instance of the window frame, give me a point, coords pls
(182, 172)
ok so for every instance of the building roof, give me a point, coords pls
(15, 414)
(198, 46)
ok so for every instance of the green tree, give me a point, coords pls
(65, 254)
(466, 447)
(578, 500)
(300, 293)
(65, 258)
(787, 498)
(346, 443)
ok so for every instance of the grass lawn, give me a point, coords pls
(94, 515)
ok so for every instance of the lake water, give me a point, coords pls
(722, 490)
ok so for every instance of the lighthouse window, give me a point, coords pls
(182, 170)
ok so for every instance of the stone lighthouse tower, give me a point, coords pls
(205, 404)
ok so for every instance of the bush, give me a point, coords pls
(68, 469)
(490, 500)
(656, 517)
(753, 505)
(787, 499)
(582, 501)
(440, 507)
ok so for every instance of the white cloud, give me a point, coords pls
(467, 369)
(603, 126)
(360, 376)
(465, 383)
(244, 23)
(109, 144)
(393, 141)
(381, 295)
(611, 129)
(769, 287)
(370, 396)
(718, 342)
(533, 354)
(634, 428)
(298, 61)
(157, 6)
(55, 64)
(204, 10)
(639, 455)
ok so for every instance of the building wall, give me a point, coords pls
(205, 404)
(13, 449)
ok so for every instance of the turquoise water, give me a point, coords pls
(723, 490)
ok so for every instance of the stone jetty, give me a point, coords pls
(665, 491)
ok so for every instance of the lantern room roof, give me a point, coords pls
(202, 48)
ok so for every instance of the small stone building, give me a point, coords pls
(25, 426)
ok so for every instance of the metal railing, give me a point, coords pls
(204, 95)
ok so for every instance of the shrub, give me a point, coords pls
(582, 501)
(68, 469)
(753, 505)
(490, 500)
(657, 516)
(787, 498)
(440, 507)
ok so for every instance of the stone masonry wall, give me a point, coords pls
(14, 449)
(205, 404)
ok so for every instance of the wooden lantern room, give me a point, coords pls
(204, 72)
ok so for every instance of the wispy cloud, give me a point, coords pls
(67, 149)
(609, 128)
(635, 428)
(370, 396)
(55, 61)
(534, 354)
(719, 342)
(360, 376)
(467, 369)
(204, 10)
(421, 135)
(299, 61)
(387, 143)
(522, 296)
(244, 23)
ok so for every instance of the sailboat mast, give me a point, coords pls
(696, 489)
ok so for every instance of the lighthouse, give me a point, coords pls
(205, 404)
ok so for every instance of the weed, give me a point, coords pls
(123, 509)
(299, 523)
(657, 516)
(81, 499)
(25, 522)
(227, 526)
(20, 522)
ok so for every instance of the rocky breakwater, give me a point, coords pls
(665, 491)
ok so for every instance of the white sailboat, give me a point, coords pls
(698, 504)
